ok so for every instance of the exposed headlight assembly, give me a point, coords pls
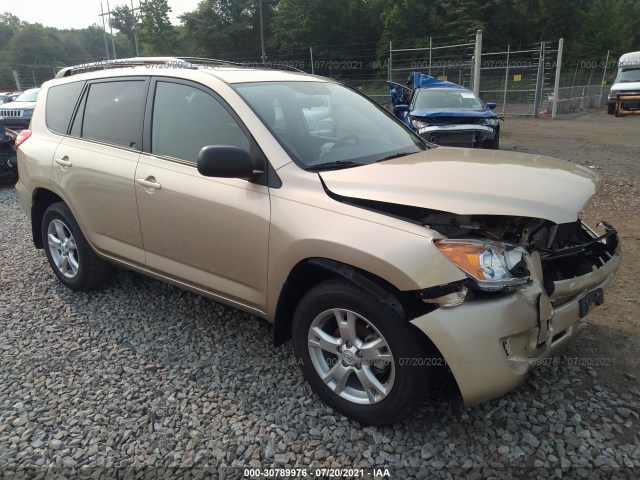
(419, 122)
(493, 266)
(491, 122)
(613, 93)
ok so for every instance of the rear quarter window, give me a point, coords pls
(61, 102)
(113, 112)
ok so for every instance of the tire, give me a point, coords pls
(71, 258)
(611, 108)
(393, 361)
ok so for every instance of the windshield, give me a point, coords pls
(429, 99)
(327, 125)
(628, 76)
(28, 96)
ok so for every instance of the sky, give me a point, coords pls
(66, 14)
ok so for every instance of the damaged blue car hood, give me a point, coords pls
(471, 113)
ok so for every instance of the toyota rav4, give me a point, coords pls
(380, 255)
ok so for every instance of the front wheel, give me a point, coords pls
(611, 108)
(358, 354)
(71, 257)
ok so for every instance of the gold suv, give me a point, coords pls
(297, 199)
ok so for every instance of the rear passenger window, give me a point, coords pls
(185, 119)
(61, 101)
(113, 112)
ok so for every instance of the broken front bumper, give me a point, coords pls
(468, 135)
(491, 344)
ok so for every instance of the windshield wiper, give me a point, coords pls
(395, 155)
(334, 165)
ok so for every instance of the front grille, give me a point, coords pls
(11, 113)
(454, 121)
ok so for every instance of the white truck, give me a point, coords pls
(624, 96)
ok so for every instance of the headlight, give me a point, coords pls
(492, 122)
(613, 93)
(493, 266)
(419, 122)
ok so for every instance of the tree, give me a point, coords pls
(9, 24)
(35, 44)
(124, 20)
(300, 24)
(156, 30)
(217, 27)
(617, 33)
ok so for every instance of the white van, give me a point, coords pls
(627, 82)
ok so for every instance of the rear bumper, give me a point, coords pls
(490, 345)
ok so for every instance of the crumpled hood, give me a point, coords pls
(458, 112)
(473, 182)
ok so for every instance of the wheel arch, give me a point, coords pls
(42, 199)
(311, 271)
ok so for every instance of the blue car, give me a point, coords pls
(445, 113)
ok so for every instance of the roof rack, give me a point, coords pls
(171, 62)
(246, 64)
(123, 63)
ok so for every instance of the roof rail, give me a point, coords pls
(246, 64)
(171, 62)
(174, 62)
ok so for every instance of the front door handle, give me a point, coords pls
(149, 183)
(64, 161)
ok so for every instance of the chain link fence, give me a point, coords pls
(515, 78)
(520, 79)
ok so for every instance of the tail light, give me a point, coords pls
(22, 136)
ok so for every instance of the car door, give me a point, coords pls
(211, 233)
(95, 164)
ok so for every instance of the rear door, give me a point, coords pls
(94, 166)
(211, 233)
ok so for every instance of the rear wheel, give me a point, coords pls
(72, 259)
(358, 354)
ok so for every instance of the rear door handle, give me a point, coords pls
(64, 161)
(148, 182)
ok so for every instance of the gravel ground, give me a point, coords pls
(144, 379)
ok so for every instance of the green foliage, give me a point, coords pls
(220, 27)
(35, 44)
(334, 28)
(300, 24)
(156, 31)
(124, 20)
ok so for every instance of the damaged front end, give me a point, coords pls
(530, 284)
(469, 135)
(493, 251)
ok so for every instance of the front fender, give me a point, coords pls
(401, 253)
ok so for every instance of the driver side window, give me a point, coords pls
(185, 119)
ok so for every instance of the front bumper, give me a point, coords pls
(467, 135)
(490, 344)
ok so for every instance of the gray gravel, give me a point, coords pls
(143, 377)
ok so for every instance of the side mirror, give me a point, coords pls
(401, 107)
(491, 105)
(225, 161)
